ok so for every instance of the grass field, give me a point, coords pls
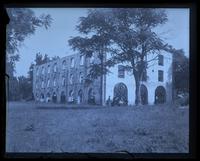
(56, 128)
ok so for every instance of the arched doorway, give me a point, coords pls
(91, 97)
(62, 97)
(160, 95)
(48, 97)
(71, 96)
(54, 97)
(120, 94)
(144, 94)
(42, 97)
(80, 97)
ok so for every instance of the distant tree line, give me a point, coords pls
(21, 87)
(181, 77)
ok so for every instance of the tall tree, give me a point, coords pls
(126, 34)
(180, 71)
(40, 59)
(23, 23)
(25, 89)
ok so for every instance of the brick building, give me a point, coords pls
(63, 80)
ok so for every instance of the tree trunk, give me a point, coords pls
(137, 91)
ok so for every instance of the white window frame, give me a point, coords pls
(81, 60)
(64, 64)
(72, 62)
(43, 70)
(48, 82)
(48, 69)
(55, 67)
(54, 82)
(71, 79)
(63, 81)
(42, 84)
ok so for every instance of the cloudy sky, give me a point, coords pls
(54, 41)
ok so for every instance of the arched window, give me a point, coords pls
(81, 77)
(54, 82)
(120, 94)
(42, 97)
(81, 60)
(63, 81)
(91, 96)
(48, 99)
(71, 79)
(63, 64)
(42, 84)
(48, 83)
(43, 70)
(55, 67)
(160, 95)
(80, 97)
(72, 62)
(48, 70)
(62, 97)
(54, 97)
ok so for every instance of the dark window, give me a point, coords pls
(121, 71)
(160, 59)
(63, 64)
(160, 75)
(55, 67)
(144, 76)
(48, 69)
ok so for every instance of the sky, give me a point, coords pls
(54, 41)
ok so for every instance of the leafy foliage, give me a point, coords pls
(181, 71)
(23, 23)
(39, 59)
(123, 35)
(25, 87)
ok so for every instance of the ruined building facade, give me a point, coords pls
(63, 80)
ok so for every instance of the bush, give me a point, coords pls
(183, 99)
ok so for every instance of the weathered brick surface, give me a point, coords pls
(41, 94)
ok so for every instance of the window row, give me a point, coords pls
(71, 81)
(160, 60)
(121, 74)
(72, 97)
(64, 63)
